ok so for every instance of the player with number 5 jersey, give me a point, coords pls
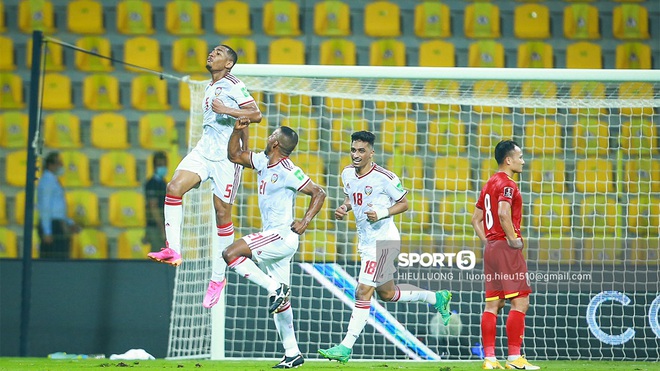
(376, 195)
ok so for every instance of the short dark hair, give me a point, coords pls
(288, 140)
(503, 149)
(51, 159)
(159, 155)
(364, 136)
(233, 56)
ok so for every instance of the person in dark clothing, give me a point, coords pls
(155, 190)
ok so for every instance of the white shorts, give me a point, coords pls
(224, 174)
(377, 264)
(273, 249)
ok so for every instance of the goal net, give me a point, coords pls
(591, 209)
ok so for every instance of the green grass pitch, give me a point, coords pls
(44, 364)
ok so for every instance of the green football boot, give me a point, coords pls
(442, 299)
(339, 353)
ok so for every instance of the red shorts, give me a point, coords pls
(505, 272)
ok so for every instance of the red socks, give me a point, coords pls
(515, 328)
(488, 333)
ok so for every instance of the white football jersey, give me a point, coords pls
(277, 188)
(217, 128)
(379, 188)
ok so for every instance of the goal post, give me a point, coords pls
(591, 209)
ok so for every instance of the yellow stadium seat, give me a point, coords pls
(62, 130)
(636, 91)
(531, 21)
(89, 244)
(345, 106)
(3, 27)
(19, 209)
(51, 52)
(76, 169)
(149, 93)
(134, 17)
(36, 16)
(281, 18)
(323, 221)
(452, 173)
(109, 131)
(581, 22)
(490, 90)
(398, 135)
(432, 20)
(547, 174)
(308, 132)
(387, 52)
(16, 168)
(130, 246)
(446, 135)
(645, 251)
(342, 128)
(157, 131)
(437, 53)
(337, 52)
(246, 49)
(101, 92)
(633, 55)
(482, 20)
(85, 17)
(90, 63)
(317, 246)
(588, 90)
(551, 215)
(142, 51)
(644, 216)
(418, 216)
(183, 17)
(189, 55)
(286, 51)
(382, 19)
(535, 54)
(639, 136)
(409, 168)
(57, 92)
(83, 207)
(126, 209)
(599, 215)
(556, 250)
(11, 91)
(486, 53)
(539, 89)
(630, 22)
(543, 136)
(8, 244)
(184, 91)
(118, 169)
(592, 137)
(293, 104)
(642, 175)
(7, 56)
(173, 160)
(3, 209)
(584, 55)
(448, 89)
(232, 18)
(253, 217)
(594, 176)
(332, 18)
(602, 250)
(488, 167)
(13, 129)
(394, 87)
(491, 131)
(456, 211)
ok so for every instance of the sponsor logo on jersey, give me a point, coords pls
(368, 190)
(273, 178)
(299, 174)
(508, 192)
(399, 187)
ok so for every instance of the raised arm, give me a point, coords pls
(235, 152)
(315, 204)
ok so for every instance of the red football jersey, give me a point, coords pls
(499, 188)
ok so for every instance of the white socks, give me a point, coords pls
(226, 238)
(173, 220)
(413, 294)
(246, 268)
(284, 324)
(357, 322)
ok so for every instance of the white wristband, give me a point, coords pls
(381, 212)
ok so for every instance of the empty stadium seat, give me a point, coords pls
(394, 87)
(636, 91)
(531, 21)
(130, 246)
(591, 137)
(118, 169)
(134, 17)
(587, 90)
(598, 215)
(382, 19)
(19, 209)
(126, 209)
(149, 93)
(482, 20)
(109, 131)
(157, 131)
(581, 22)
(409, 168)
(342, 128)
(642, 175)
(101, 92)
(83, 207)
(633, 55)
(446, 135)
(418, 216)
(584, 55)
(543, 136)
(76, 169)
(57, 92)
(7, 56)
(52, 53)
(398, 135)
(594, 175)
(638, 136)
(281, 18)
(322, 221)
(62, 130)
(246, 49)
(490, 90)
(89, 63)
(486, 53)
(13, 129)
(183, 17)
(539, 89)
(3, 209)
(448, 89)
(644, 251)
(293, 104)
(491, 131)
(317, 246)
(387, 52)
(11, 91)
(286, 51)
(337, 52)
(258, 137)
(8, 244)
(308, 132)
(644, 216)
(89, 244)
(142, 51)
(232, 18)
(456, 211)
(437, 53)
(332, 18)
(630, 22)
(432, 20)
(16, 168)
(3, 28)
(452, 173)
(602, 249)
(345, 106)
(556, 250)
(189, 55)
(85, 17)
(551, 215)
(36, 16)
(184, 91)
(547, 174)
(535, 54)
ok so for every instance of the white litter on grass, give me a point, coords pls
(133, 354)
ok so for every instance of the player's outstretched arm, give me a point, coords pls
(315, 204)
(478, 224)
(504, 213)
(237, 153)
(250, 110)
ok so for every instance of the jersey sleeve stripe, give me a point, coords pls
(385, 172)
(232, 78)
(244, 103)
(304, 184)
(287, 164)
(401, 198)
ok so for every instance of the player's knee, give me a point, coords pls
(174, 188)
(362, 293)
(385, 295)
(227, 255)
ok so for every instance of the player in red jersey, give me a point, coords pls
(496, 221)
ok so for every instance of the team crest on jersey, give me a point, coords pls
(368, 190)
(508, 192)
(273, 178)
(218, 90)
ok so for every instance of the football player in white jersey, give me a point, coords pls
(225, 99)
(279, 180)
(375, 195)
